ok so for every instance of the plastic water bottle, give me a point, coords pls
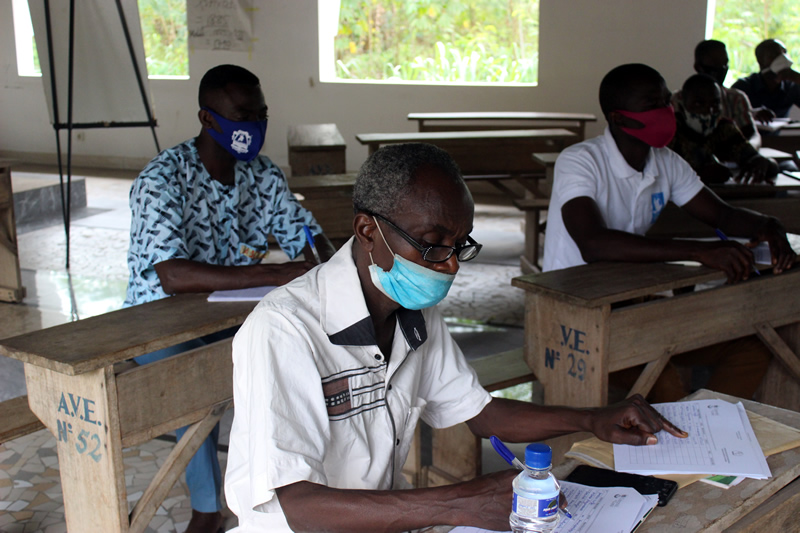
(536, 491)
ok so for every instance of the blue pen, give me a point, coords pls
(724, 237)
(310, 239)
(511, 459)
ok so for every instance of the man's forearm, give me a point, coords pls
(182, 275)
(613, 245)
(514, 421)
(483, 502)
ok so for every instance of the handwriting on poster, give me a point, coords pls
(572, 347)
(77, 422)
(219, 24)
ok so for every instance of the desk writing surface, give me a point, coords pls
(456, 136)
(100, 341)
(503, 115)
(701, 507)
(609, 282)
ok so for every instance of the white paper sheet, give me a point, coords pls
(597, 510)
(721, 441)
(253, 294)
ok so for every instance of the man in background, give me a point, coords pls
(202, 212)
(711, 59)
(609, 190)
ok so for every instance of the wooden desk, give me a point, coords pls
(95, 413)
(491, 156)
(330, 200)
(787, 139)
(498, 120)
(577, 330)
(752, 506)
(316, 149)
(11, 289)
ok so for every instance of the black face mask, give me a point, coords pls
(718, 73)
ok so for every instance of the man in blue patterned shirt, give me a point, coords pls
(201, 215)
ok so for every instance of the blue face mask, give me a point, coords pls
(411, 285)
(242, 139)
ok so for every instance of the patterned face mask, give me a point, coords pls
(242, 139)
(703, 123)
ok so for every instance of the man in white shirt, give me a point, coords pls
(609, 190)
(333, 371)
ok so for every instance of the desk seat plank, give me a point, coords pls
(103, 340)
(17, 419)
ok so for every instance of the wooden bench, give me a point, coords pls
(444, 456)
(533, 208)
(17, 419)
(316, 149)
(500, 120)
(493, 156)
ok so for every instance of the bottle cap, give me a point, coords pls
(538, 456)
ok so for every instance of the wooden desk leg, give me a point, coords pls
(780, 386)
(81, 411)
(566, 346)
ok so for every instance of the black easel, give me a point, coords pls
(69, 125)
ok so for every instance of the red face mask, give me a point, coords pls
(659, 125)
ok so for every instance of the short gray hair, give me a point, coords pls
(386, 175)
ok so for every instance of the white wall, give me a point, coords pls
(580, 40)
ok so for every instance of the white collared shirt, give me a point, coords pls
(628, 200)
(317, 401)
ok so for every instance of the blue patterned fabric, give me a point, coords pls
(179, 212)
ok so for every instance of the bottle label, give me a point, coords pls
(535, 508)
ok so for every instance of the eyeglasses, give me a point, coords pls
(438, 253)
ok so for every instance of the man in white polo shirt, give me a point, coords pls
(609, 190)
(333, 371)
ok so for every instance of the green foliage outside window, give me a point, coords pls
(438, 40)
(164, 33)
(742, 24)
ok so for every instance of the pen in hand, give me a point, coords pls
(724, 237)
(310, 239)
(511, 459)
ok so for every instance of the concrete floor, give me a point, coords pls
(484, 313)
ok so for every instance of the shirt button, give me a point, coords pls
(397, 442)
(378, 356)
(389, 387)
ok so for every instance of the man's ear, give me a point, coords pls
(615, 118)
(364, 228)
(207, 121)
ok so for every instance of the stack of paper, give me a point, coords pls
(597, 510)
(721, 441)
(253, 294)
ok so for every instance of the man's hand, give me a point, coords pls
(715, 173)
(764, 115)
(781, 251)
(759, 169)
(735, 259)
(633, 421)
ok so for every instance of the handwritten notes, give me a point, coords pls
(220, 24)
